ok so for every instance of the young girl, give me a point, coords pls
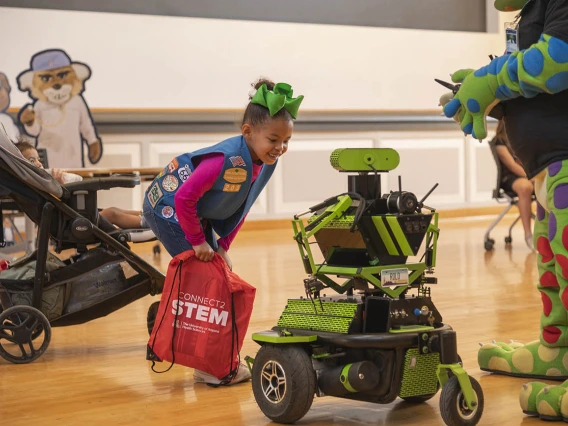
(514, 179)
(210, 191)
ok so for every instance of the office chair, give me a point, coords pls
(501, 196)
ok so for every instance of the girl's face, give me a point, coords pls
(268, 141)
(33, 157)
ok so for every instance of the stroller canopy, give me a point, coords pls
(26, 171)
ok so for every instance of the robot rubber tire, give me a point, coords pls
(453, 407)
(283, 382)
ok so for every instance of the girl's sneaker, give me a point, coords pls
(243, 374)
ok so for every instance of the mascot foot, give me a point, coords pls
(546, 402)
(532, 360)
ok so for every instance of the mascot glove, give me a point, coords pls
(542, 68)
(472, 103)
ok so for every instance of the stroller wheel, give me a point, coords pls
(25, 334)
(152, 314)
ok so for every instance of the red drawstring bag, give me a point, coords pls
(210, 307)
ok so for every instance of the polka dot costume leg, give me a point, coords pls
(551, 239)
(548, 356)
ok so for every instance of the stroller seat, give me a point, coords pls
(104, 275)
(83, 196)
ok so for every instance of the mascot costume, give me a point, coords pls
(59, 118)
(6, 121)
(530, 83)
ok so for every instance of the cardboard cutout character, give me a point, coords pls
(6, 121)
(59, 118)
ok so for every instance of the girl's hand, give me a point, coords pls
(204, 252)
(221, 251)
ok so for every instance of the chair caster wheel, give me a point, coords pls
(156, 250)
(489, 245)
(508, 240)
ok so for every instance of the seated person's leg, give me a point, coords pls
(524, 189)
(125, 219)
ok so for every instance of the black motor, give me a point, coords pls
(401, 202)
(345, 379)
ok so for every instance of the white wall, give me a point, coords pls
(168, 62)
(463, 168)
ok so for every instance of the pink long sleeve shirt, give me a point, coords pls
(196, 185)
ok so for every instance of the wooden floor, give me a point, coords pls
(96, 373)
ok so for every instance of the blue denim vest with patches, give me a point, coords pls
(229, 199)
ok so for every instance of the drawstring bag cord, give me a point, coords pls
(234, 333)
(177, 273)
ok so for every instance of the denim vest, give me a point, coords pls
(229, 199)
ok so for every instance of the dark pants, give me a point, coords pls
(171, 235)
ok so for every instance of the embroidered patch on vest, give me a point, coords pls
(184, 172)
(154, 194)
(170, 183)
(172, 167)
(168, 212)
(235, 175)
(231, 187)
(237, 161)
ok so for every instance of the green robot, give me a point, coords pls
(367, 328)
(528, 86)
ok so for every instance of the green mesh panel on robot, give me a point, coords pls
(335, 317)
(419, 376)
(305, 306)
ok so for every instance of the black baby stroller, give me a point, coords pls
(103, 276)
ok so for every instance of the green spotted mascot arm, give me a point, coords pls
(542, 68)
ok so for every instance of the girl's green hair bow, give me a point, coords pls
(280, 97)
